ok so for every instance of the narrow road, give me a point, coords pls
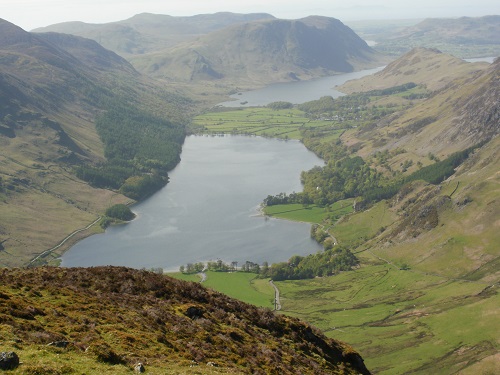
(277, 303)
(46, 252)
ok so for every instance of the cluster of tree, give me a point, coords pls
(280, 105)
(120, 212)
(325, 263)
(349, 177)
(355, 109)
(139, 148)
(350, 103)
(220, 266)
(392, 90)
(433, 174)
(325, 150)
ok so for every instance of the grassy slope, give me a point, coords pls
(401, 321)
(43, 201)
(240, 285)
(421, 66)
(49, 203)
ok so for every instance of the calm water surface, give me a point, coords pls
(209, 210)
(296, 92)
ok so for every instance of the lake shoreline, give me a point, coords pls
(215, 162)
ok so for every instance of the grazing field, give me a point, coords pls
(241, 285)
(265, 122)
(400, 321)
(310, 213)
(358, 227)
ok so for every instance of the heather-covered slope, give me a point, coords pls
(111, 318)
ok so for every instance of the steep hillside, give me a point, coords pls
(264, 51)
(423, 66)
(460, 214)
(108, 319)
(147, 32)
(465, 36)
(53, 88)
(436, 162)
(456, 116)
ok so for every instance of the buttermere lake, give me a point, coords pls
(210, 209)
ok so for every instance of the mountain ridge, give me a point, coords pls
(264, 51)
(146, 32)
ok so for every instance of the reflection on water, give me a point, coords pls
(296, 92)
(209, 210)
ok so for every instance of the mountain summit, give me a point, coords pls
(264, 51)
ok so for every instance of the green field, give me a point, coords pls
(400, 321)
(363, 225)
(266, 122)
(240, 285)
(310, 213)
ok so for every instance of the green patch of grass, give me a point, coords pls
(297, 212)
(240, 285)
(363, 225)
(283, 123)
(310, 213)
(243, 286)
(400, 321)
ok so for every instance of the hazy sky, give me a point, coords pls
(30, 14)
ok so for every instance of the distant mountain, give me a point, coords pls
(148, 32)
(264, 51)
(53, 88)
(424, 66)
(463, 30)
(462, 37)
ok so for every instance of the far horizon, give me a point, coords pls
(31, 14)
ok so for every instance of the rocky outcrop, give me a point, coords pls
(8, 360)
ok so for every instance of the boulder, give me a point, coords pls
(139, 367)
(8, 360)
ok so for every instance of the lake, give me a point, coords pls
(297, 92)
(209, 210)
